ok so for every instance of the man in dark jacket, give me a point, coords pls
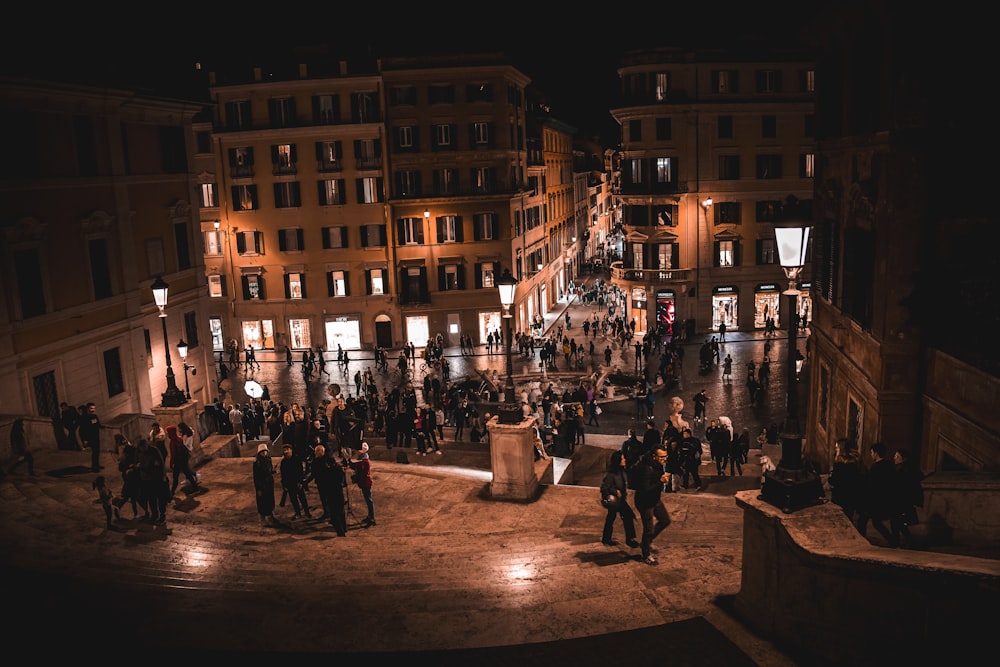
(330, 480)
(652, 479)
(877, 503)
(690, 456)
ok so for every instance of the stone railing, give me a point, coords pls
(673, 277)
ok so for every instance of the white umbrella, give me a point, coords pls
(253, 389)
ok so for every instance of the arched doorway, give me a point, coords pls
(383, 331)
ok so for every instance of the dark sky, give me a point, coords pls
(571, 53)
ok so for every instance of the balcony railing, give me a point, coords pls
(651, 276)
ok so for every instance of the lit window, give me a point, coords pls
(726, 253)
(213, 243)
(487, 271)
(208, 195)
(216, 286)
(295, 281)
(338, 283)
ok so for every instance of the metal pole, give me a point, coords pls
(173, 396)
(508, 390)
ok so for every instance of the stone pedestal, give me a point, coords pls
(187, 413)
(512, 459)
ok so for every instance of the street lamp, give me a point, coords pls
(173, 396)
(509, 412)
(792, 485)
(182, 349)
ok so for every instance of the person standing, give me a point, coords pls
(615, 488)
(90, 436)
(362, 468)
(652, 480)
(180, 440)
(236, 420)
(288, 355)
(878, 503)
(908, 495)
(69, 417)
(19, 448)
(727, 369)
(152, 482)
(700, 403)
(690, 456)
(293, 473)
(716, 446)
(105, 497)
(847, 479)
(263, 484)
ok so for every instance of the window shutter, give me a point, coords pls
(222, 284)
(368, 280)
(477, 233)
(494, 226)
(715, 254)
(357, 149)
(326, 237)
(282, 243)
(329, 283)
(737, 254)
(359, 188)
(302, 285)
(294, 153)
(404, 291)
(365, 230)
(425, 296)
(460, 275)
(491, 143)
(274, 154)
(288, 289)
(343, 236)
(319, 152)
(439, 223)
(479, 275)
(675, 252)
(378, 148)
(759, 251)
(347, 283)
(459, 229)
(382, 240)
(420, 232)
(232, 157)
(241, 243)
(300, 237)
(260, 282)
(321, 191)
(246, 287)
(440, 277)
(472, 134)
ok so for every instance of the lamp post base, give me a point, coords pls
(510, 413)
(172, 398)
(792, 489)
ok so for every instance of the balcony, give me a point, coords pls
(666, 277)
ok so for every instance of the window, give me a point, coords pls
(369, 190)
(402, 96)
(241, 161)
(486, 274)
(665, 170)
(253, 287)
(259, 334)
(809, 125)
(445, 181)
(479, 92)
(203, 142)
(768, 81)
(481, 133)
(213, 243)
(334, 237)
(666, 215)
(215, 327)
(299, 334)
(729, 167)
(295, 285)
(635, 170)
(665, 254)
(326, 109)
(282, 111)
(449, 277)
(290, 240)
(336, 282)
(373, 236)
(244, 197)
(807, 165)
(449, 229)
(238, 115)
(249, 243)
(442, 136)
(287, 195)
(155, 261)
(113, 377)
(809, 80)
(100, 269)
(209, 195)
(725, 126)
(368, 153)
(485, 226)
(411, 231)
(331, 192)
(329, 155)
(283, 158)
(727, 213)
(637, 256)
(725, 81)
(767, 251)
(375, 281)
(661, 84)
(441, 94)
(364, 107)
(635, 130)
(768, 209)
(768, 166)
(191, 329)
(725, 254)
(664, 129)
(404, 136)
(483, 179)
(768, 126)
(216, 286)
(408, 183)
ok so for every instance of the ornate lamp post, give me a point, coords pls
(792, 485)
(509, 412)
(173, 396)
(182, 349)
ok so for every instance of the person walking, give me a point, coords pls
(236, 420)
(180, 441)
(652, 480)
(263, 485)
(292, 470)
(69, 417)
(90, 436)
(152, 482)
(727, 369)
(907, 496)
(329, 478)
(717, 447)
(878, 503)
(105, 497)
(700, 403)
(362, 476)
(690, 456)
(614, 495)
(19, 448)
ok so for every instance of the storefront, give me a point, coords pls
(344, 331)
(766, 303)
(725, 307)
(805, 304)
(418, 330)
(489, 320)
(637, 308)
(666, 310)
